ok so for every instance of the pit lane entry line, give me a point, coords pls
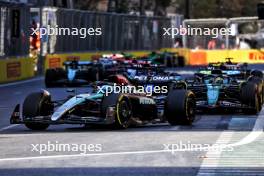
(256, 132)
(213, 157)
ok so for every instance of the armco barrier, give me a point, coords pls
(16, 69)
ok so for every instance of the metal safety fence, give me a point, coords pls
(14, 29)
(222, 33)
(204, 33)
(118, 31)
(248, 33)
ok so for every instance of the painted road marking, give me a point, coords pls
(212, 156)
(8, 127)
(82, 155)
(225, 136)
(212, 159)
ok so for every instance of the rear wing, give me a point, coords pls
(147, 67)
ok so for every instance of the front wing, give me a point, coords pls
(16, 118)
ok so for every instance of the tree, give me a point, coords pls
(223, 8)
(160, 7)
(122, 6)
(249, 8)
(203, 8)
(86, 4)
(197, 8)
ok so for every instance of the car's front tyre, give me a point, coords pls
(180, 107)
(37, 104)
(251, 97)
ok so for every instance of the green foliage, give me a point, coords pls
(197, 8)
(86, 4)
(222, 8)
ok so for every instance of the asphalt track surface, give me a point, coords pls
(134, 151)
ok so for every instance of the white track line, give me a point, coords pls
(213, 158)
(257, 130)
(83, 155)
(8, 127)
(21, 82)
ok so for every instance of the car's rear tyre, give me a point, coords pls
(49, 77)
(257, 73)
(102, 72)
(37, 104)
(94, 74)
(180, 107)
(260, 85)
(251, 97)
(53, 75)
(181, 61)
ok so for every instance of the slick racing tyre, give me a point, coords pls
(251, 97)
(180, 107)
(181, 61)
(123, 112)
(260, 86)
(49, 77)
(37, 104)
(257, 73)
(94, 74)
(53, 75)
(123, 109)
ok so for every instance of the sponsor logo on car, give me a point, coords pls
(156, 78)
(147, 101)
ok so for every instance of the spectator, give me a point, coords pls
(211, 44)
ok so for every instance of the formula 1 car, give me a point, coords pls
(80, 72)
(122, 59)
(168, 59)
(151, 76)
(118, 109)
(221, 91)
(233, 69)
